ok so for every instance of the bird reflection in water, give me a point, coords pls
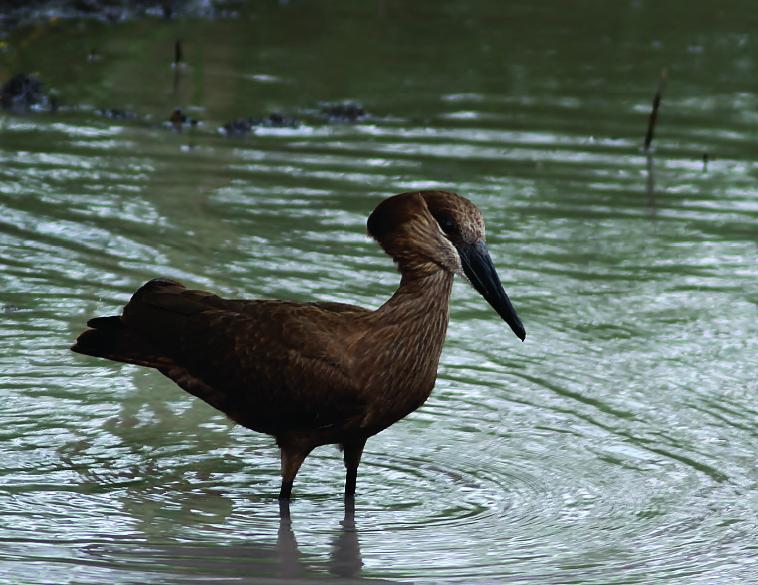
(345, 557)
(255, 559)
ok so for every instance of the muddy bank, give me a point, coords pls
(23, 12)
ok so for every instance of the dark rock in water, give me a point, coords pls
(238, 127)
(22, 93)
(116, 114)
(277, 120)
(244, 126)
(179, 120)
(343, 112)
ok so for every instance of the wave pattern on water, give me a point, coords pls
(616, 445)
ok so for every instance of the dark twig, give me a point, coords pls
(654, 114)
(178, 64)
(178, 53)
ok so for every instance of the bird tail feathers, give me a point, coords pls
(108, 337)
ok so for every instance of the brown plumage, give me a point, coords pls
(312, 374)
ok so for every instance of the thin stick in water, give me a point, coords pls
(654, 114)
(178, 53)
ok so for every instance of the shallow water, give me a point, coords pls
(617, 445)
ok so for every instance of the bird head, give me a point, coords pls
(425, 231)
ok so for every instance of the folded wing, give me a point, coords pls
(273, 366)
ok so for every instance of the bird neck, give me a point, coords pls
(416, 317)
(404, 343)
(423, 298)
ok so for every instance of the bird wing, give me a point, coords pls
(273, 366)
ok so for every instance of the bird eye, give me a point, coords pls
(446, 223)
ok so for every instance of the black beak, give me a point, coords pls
(478, 267)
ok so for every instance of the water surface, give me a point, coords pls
(617, 445)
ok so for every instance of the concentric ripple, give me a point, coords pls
(616, 445)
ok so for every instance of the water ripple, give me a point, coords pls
(616, 445)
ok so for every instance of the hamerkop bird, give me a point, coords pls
(312, 374)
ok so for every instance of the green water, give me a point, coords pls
(617, 445)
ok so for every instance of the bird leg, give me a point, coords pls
(292, 459)
(353, 452)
